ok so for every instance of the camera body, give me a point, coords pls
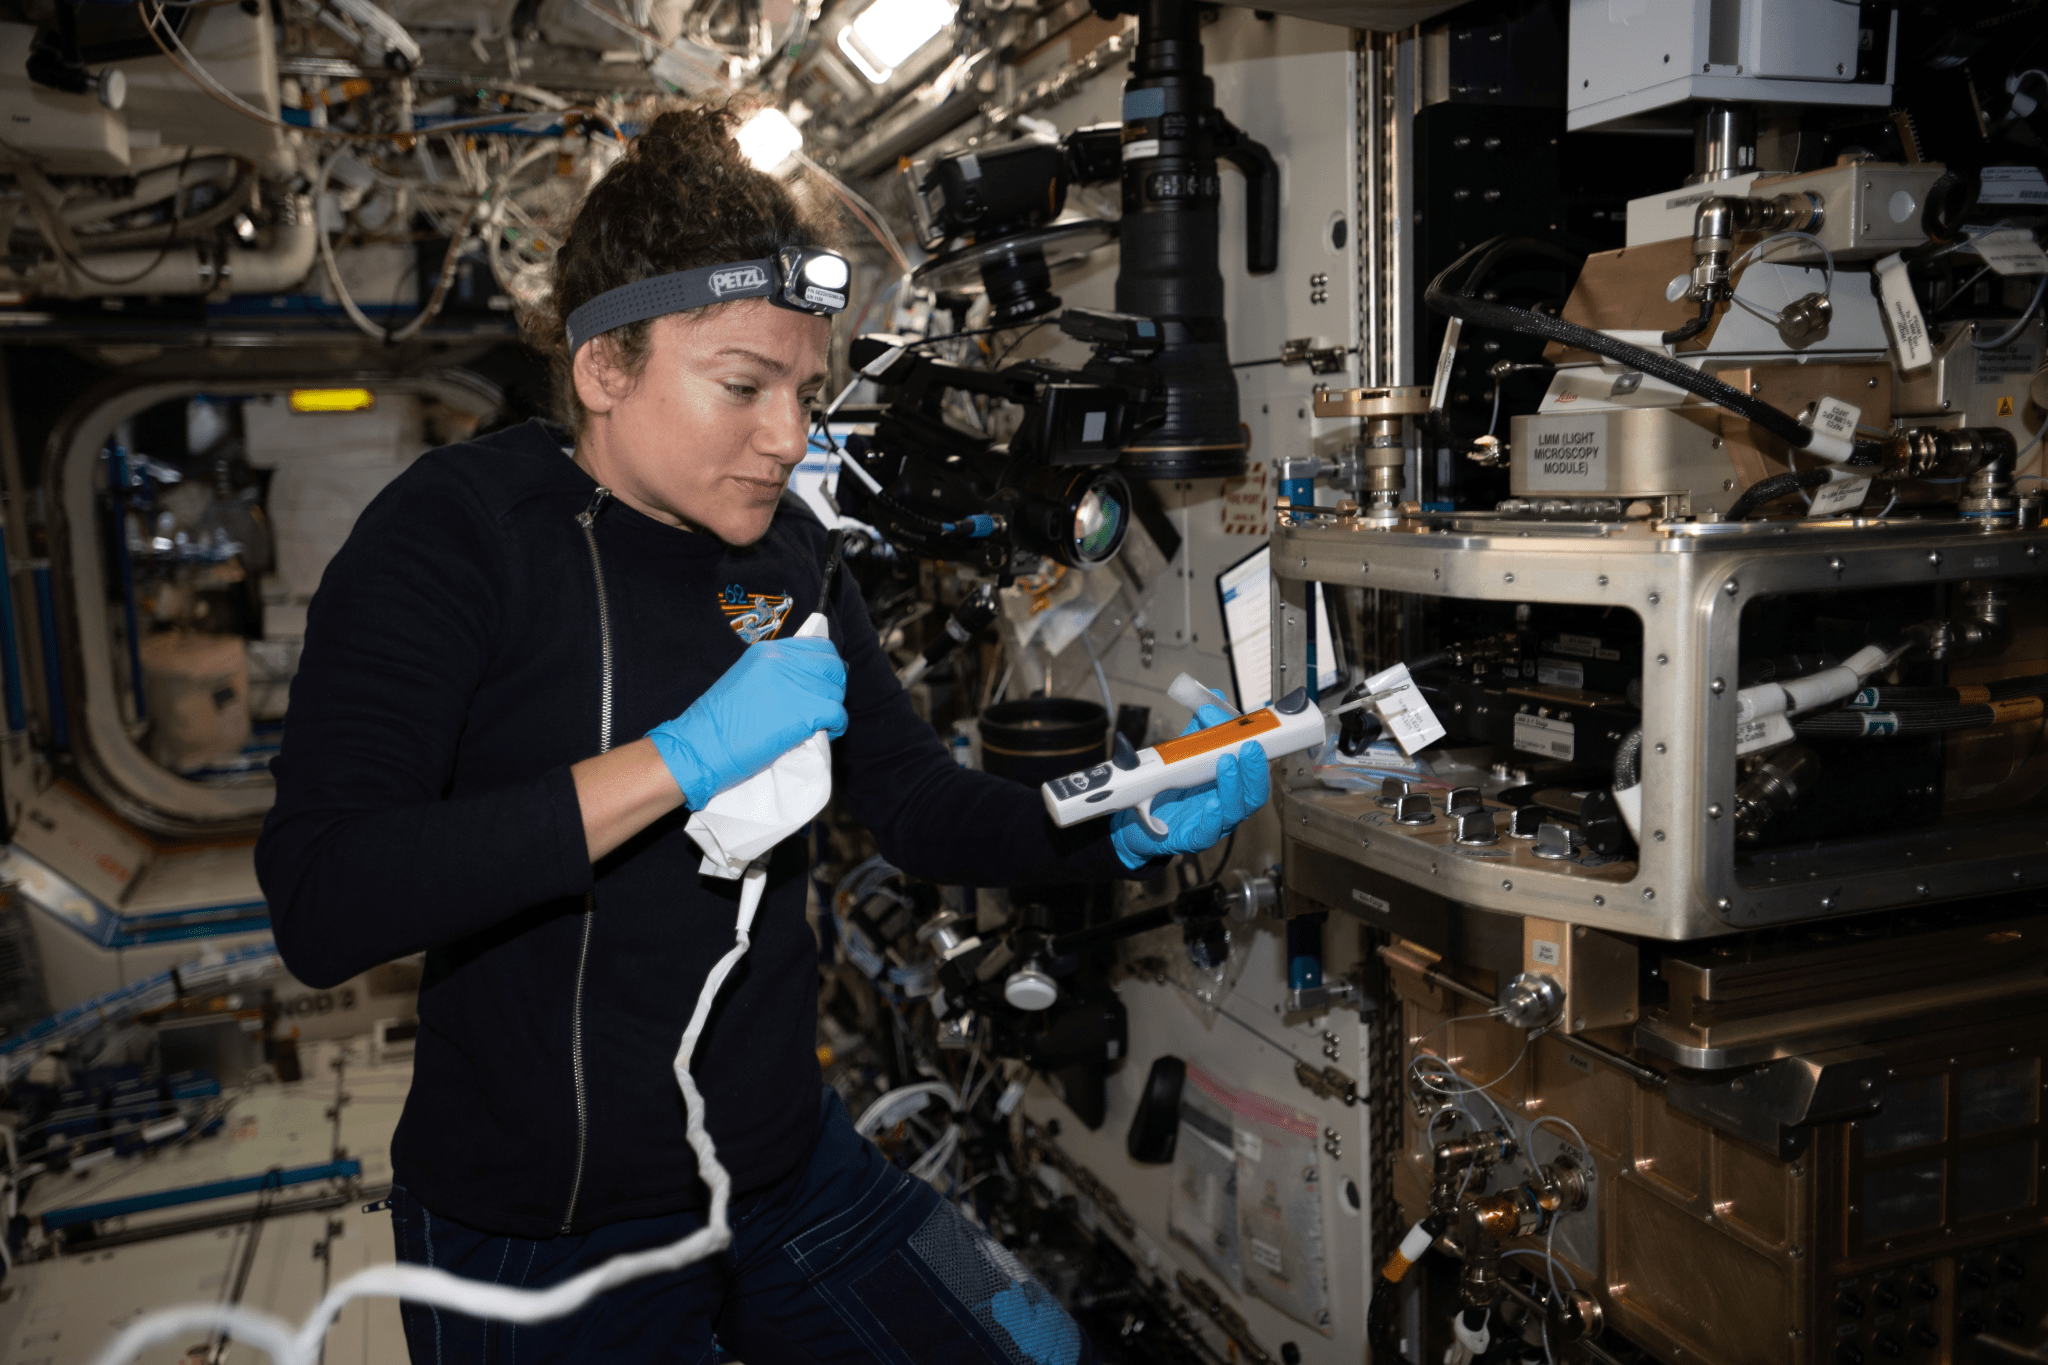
(1051, 490)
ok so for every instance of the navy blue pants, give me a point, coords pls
(848, 1260)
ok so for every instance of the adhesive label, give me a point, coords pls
(1839, 498)
(1768, 733)
(1544, 952)
(2014, 360)
(1371, 902)
(1141, 149)
(1266, 1255)
(2015, 708)
(1542, 735)
(1558, 673)
(1833, 417)
(1910, 346)
(1581, 646)
(1576, 1062)
(1406, 714)
(2012, 185)
(2011, 252)
(1249, 1145)
(1142, 104)
(1568, 453)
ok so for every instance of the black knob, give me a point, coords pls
(1848, 1353)
(2011, 1267)
(1290, 1354)
(1924, 1287)
(1888, 1296)
(1850, 1304)
(1977, 1275)
(2009, 1316)
(1923, 1335)
(1888, 1344)
(1970, 1323)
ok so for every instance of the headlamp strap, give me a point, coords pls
(676, 293)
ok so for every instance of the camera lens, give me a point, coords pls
(1098, 523)
(1076, 515)
(1019, 286)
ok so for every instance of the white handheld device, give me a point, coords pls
(1133, 777)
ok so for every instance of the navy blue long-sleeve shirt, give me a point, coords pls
(450, 678)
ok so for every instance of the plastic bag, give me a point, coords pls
(1248, 1197)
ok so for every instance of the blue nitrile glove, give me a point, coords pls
(758, 710)
(1196, 818)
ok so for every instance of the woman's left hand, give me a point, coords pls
(1197, 818)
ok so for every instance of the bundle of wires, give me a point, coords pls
(1880, 712)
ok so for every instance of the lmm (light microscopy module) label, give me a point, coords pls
(1568, 453)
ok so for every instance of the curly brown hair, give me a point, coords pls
(682, 197)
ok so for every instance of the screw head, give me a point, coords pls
(1717, 687)
(1649, 893)
(1714, 811)
(1507, 578)
(1655, 598)
(1731, 587)
(1835, 564)
(1599, 900)
(1507, 885)
(1934, 558)
(1602, 580)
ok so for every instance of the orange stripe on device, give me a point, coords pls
(1218, 736)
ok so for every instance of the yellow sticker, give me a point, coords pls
(2005, 407)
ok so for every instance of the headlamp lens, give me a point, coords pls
(829, 271)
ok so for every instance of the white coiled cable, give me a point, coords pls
(440, 1289)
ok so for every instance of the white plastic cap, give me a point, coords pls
(1192, 694)
(1031, 989)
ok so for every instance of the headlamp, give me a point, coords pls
(804, 279)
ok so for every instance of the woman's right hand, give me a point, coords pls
(761, 708)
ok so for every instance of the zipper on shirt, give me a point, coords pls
(587, 519)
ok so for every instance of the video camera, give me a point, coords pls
(1002, 210)
(1052, 490)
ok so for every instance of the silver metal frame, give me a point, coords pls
(1688, 584)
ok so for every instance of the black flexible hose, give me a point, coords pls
(1501, 316)
(1886, 724)
(1628, 761)
(1686, 331)
(1381, 1320)
(1499, 249)
(1772, 488)
(1945, 698)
